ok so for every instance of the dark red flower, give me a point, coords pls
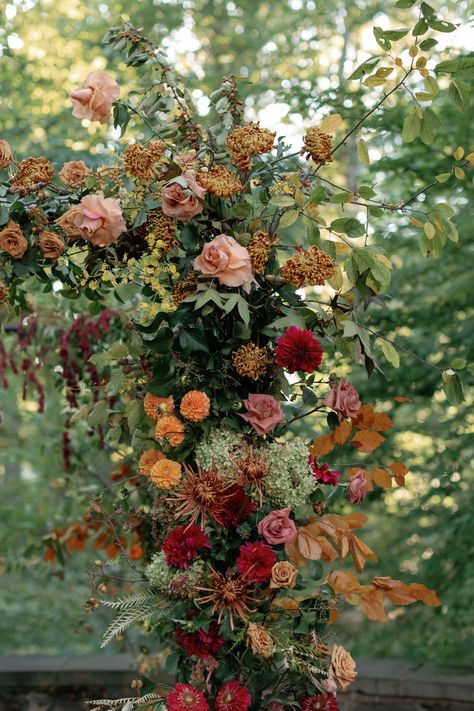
(320, 702)
(182, 544)
(322, 473)
(233, 697)
(256, 561)
(185, 697)
(237, 508)
(200, 643)
(298, 350)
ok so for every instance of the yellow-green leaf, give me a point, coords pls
(390, 352)
(363, 151)
(288, 218)
(429, 229)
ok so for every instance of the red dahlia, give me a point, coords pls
(320, 702)
(200, 643)
(256, 561)
(233, 697)
(298, 350)
(237, 508)
(185, 697)
(182, 544)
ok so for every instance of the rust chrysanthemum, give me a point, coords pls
(219, 181)
(31, 174)
(251, 470)
(203, 494)
(185, 287)
(317, 145)
(244, 142)
(140, 161)
(259, 248)
(309, 267)
(251, 361)
(228, 593)
(159, 230)
(155, 407)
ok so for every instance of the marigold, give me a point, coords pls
(219, 181)
(165, 473)
(195, 406)
(251, 361)
(170, 429)
(148, 459)
(310, 267)
(155, 407)
(243, 142)
(32, 173)
(317, 145)
(259, 248)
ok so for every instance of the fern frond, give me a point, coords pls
(129, 703)
(146, 610)
(125, 603)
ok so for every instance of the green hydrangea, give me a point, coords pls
(218, 449)
(290, 481)
(158, 572)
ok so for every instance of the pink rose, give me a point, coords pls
(100, 219)
(344, 399)
(225, 259)
(277, 527)
(263, 413)
(94, 100)
(357, 487)
(180, 197)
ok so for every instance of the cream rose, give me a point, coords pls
(94, 99)
(6, 155)
(284, 575)
(50, 245)
(343, 668)
(12, 240)
(100, 220)
(225, 259)
(260, 640)
(74, 172)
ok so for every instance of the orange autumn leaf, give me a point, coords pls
(293, 554)
(356, 520)
(342, 582)
(401, 398)
(367, 440)
(399, 470)
(402, 594)
(381, 421)
(342, 432)
(370, 483)
(364, 418)
(426, 595)
(333, 615)
(322, 445)
(382, 478)
(360, 553)
(372, 604)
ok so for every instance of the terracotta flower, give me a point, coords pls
(12, 240)
(277, 527)
(155, 406)
(50, 244)
(100, 220)
(165, 473)
(284, 575)
(358, 486)
(169, 428)
(67, 222)
(297, 350)
(181, 197)
(195, 406)
(260, 640)
(225, 259)
(343, 668)
(263, 413)
(74, 172)
(344, 399)
(94, 99)
(6, 155)
(148, 459)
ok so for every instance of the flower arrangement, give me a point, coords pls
(212, 238)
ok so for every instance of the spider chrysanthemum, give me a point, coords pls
(228, 593)
(202, 495)
(251, 470)
(243, 142)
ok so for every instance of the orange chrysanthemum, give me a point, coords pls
(165, 473)
(148, 459)
(155, 407)
(203, 494)
(170, 429)
(229, 593)
(195, 406)
(309, 267)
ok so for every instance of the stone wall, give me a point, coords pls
(38, 683)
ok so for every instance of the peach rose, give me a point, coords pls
(225, 259)
(277, 527)
(260, 640)
(100, 220)
(67, 222)
(6, 155)
(12, 240)
(74, 172)
(3, 292)
(284, 575)
(263, 413)
(358, 486)
(344, 399)
(186, 161)
(50, 245)
(180, 197)
(343, 668)
(94, 100)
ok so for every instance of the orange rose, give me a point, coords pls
(6, 155)
(94, 100)
(67, 222)
(50, 245)
(283, 575)
(74, 172)
(260, 640)
(100, 220)
(225, 259)
(12, 240)
(343, 668)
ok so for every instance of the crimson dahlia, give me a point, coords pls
(185, 697)
(298, 349)
(320, 702)
(200, 643)
(256, 561)
(182, 544)
(237, 507)
(233, 697)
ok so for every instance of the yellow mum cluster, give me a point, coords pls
(243, 142)
(31, 174)
(317, 145)
(140, 161)
(311, 267)
(259, 249)
(219, 181)
(251, 361)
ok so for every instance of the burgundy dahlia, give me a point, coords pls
(320, 702)
(200, 643)
(256, 561)
(185, 697)
(298, 349)
(233, 697)
(322, 473)
(237, 507)
(182, 544)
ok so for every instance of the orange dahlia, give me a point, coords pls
(165, 473)
(156, 407)
(195, 406)
(148, 459)
(169, 428)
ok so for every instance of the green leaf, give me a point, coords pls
(288, 218)
(244, 311)
(428, 44)
(134, 414)
(98, 414)
(443, 177)
(390, 352)
(458, 363)
(193, 339)
(452, 66)
(117, 351)
(440, 25)
(452, 386)
(365, 68)
(405, 3)
(420, 28)
(348, 225)
(363, 152)
(381, 39)
(162, 341)
(411, 127)
(351, 329)
(116, 382)
(395, 34)
(282, 200)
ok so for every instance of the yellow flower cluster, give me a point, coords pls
(311, 267)
(185, 287)
(159, 231)
(243, 142)
(31, 174)
(219, 181)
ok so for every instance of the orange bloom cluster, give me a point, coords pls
(170, 429)
(165, 473)
(31, 174)
(185, 287)
(311, 267)
(259, 249)
(155, 407)
(148, 459)
(317, 145)
(251, 361)
(139, 161)
(195, 406)
(243, 142)
(219, 181)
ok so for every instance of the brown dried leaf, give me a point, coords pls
(372, 604)
(342, 582)
(360, 553)
(381, 422)
(322, 445)
(342, 432)
(401, 398)
(367, 440)
(399, 470)
(382, 478)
